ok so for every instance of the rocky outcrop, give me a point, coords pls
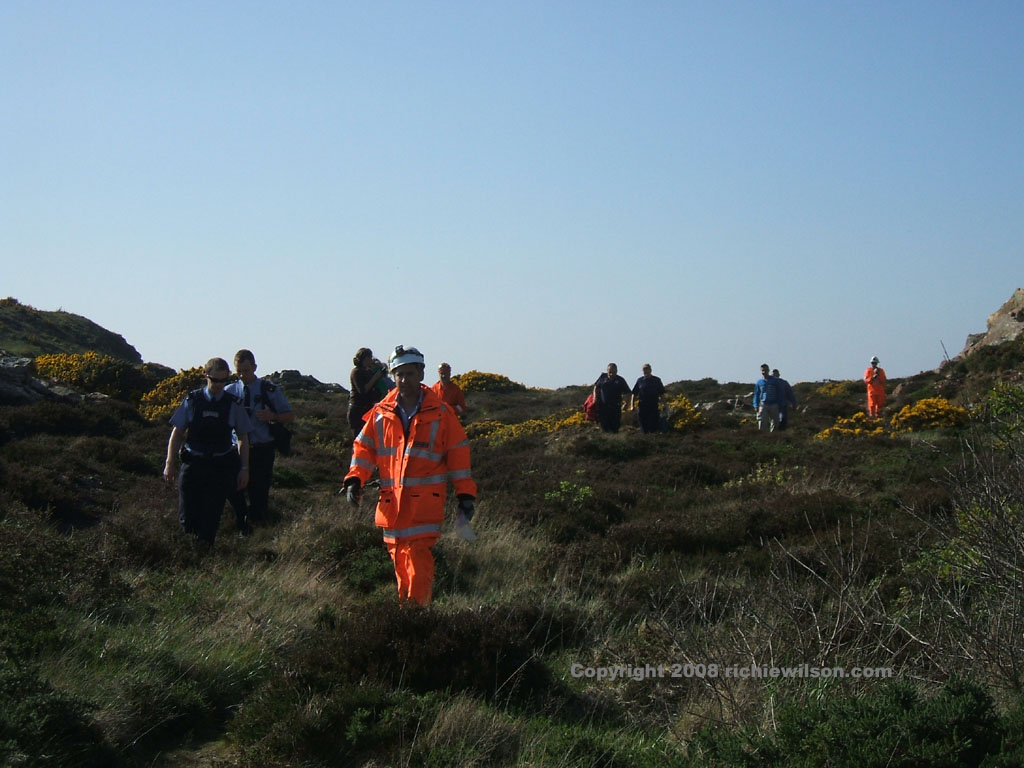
(293, 381)
(18, 384)
(1006, 324)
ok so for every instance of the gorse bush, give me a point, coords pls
(839, 388)
(159, 403)
(682, 415)
(497, 432)
(93, 372)
(929, 413)
(478, 381)
(858, 425)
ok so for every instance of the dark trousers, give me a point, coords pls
(203, 486)
(650, 417)
(261, 474)
(610, 416)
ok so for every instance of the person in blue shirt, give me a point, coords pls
(787, 399)
(264, 403)
(648, 390)
(609, 390)
(212, 464)
(766, 400)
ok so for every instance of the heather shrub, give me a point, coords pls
(159, 403)
(929, 413)
(40, 726)
(109, 419)
(478, 381)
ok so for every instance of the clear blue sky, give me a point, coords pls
(527, 188)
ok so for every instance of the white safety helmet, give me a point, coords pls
(874, 360)
(403, 356)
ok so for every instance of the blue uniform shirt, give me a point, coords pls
(182, 416)
(259, 396)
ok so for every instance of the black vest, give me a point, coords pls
(209, 433)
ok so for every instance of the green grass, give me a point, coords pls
(721, 546)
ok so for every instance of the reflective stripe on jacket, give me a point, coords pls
(414, 471)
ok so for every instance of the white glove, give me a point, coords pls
(463, 528)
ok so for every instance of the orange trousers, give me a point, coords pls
(876, 399)
(414, 568)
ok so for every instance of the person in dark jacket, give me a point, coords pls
(212, 465)
(787, 399)
(609, 389)
(648, 391)
(363, 391)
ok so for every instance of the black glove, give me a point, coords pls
(353, 492)
(466, 507)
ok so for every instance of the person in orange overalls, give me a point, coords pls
(417, 443)
(449, 391)
(874, 377)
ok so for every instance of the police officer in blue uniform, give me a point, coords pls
(212, 465)
(264, 404)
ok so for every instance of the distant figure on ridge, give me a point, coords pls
(264, 404)
(648, 390)
(787, 399)
(609, 389)
(417, 444)
(874, 377)
(211, 465)
(449, 391)
(766, 400)
(363, 392)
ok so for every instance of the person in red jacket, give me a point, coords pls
(417, 444)
(874, 377)
(449, 391)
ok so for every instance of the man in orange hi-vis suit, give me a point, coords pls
(449, 391)
(417, 443)
(874, 377)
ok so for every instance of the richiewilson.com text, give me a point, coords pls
(732, 671)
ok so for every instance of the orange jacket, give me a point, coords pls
(875, 386)
(414, 471)
(451, 394)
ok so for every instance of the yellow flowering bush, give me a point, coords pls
(93, 372)
(483, 428)
(837, 388)
(682, 415)
(498, 432)
(159, 403)
(929, 413)
(478, 381)
(858, 425)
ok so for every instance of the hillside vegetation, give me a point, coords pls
(29, 332)
(620, 587)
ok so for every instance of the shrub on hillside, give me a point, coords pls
(548, 425)
(839, 388)
(858, 425)
(930, 413)
(682, 415)
(93, 372)
(159, 403)
(478, 381)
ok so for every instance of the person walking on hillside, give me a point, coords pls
(766, 400)
(417, 443)
(609, 389)
(787, 399)
(363, 392)
(648, 390)
(874, 377)
(212, 466)
(264, 404)
(449, 391)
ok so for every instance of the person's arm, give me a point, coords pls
(243, 454)
(173, 446)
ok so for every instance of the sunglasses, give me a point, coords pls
(215, 380)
